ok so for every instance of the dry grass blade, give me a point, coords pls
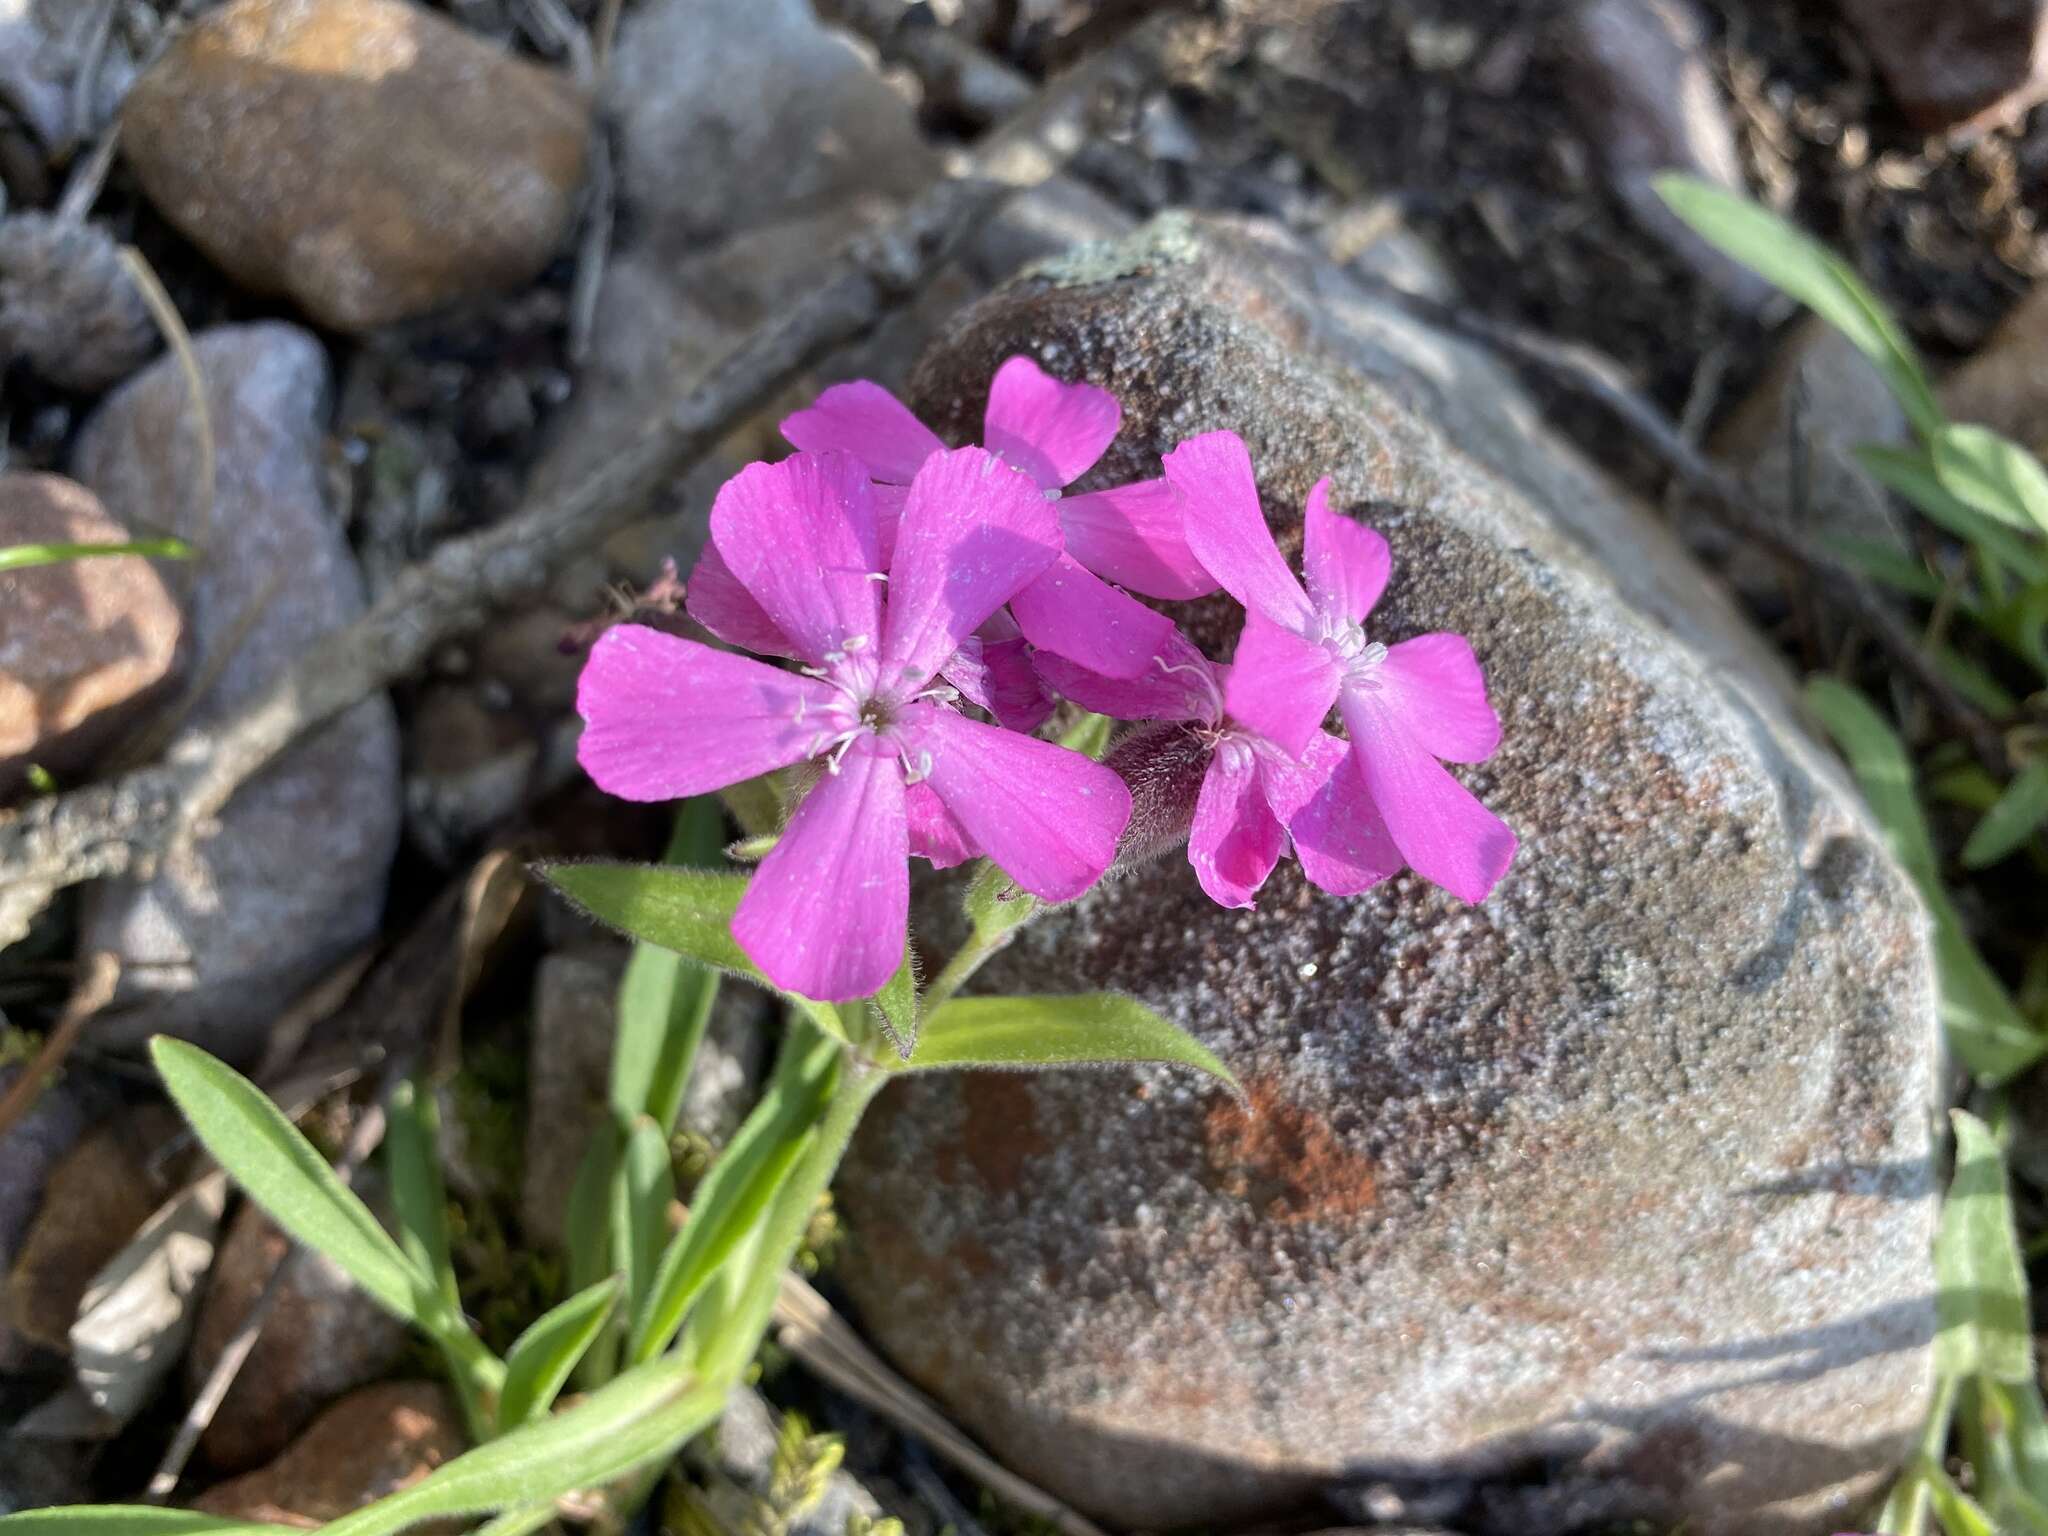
(491, 897)
(94, 992)
(808, 1328)
(179, 340)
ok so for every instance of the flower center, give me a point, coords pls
(1359, 657)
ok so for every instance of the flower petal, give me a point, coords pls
(973, 531)
(1079, 616)
(801, 537)
(1346, 563)
(715, 599)
(889, 501)
(1279, 685)
(1339, 834)
(1049, 817)
(1440, 828)
(1181, 684)
(935, 833)
(993, 668)
(1226, 529)
(1054, 432)
(826, 914)
(1441, 695)
(1235, 840)
(865, 420)
(666, 717)
(1134, 535)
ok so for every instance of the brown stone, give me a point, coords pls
(366, 157)
(1627, 1174)
(96, 1200)
(324, 1338)
(2005, 386)
(85, 646)
(1957, 63)
(371, 1443)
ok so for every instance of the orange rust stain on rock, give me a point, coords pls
(1285, 1158)
(1002, 1132)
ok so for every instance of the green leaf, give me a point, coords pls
(541, 1360)
(1974, 683)
(688, 911)
(740, 1187)
(1910, 473)
(1058, 1030)
(264, 1153)
(19, 557)
(1988, 1034)
(125, 1520)
(1981, 1283)
(1810, 273)
(642, 1417)
(412, 1153)
(1959, 1514)
(1887, 565)
(1992, 474)
(664, 1000)
(2020, 812)
(588, 1236)
(897, 1003)
(642, 1192)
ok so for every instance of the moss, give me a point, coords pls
(18, 1046)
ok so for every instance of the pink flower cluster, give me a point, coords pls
(906, 580)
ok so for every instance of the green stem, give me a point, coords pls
(788, 1219)
(20, 556)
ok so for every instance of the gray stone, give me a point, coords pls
(1794, 441)
(368, 158)
(738, 1463)
(1628, 1174)
(43, 46)
(575, 1016)
(324, 1337)
(1642, 83)
(293, 873)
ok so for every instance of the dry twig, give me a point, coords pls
(95, 990)
(122, 826)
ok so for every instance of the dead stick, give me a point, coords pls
(94, 992)
(121, 826)
(1600, 377)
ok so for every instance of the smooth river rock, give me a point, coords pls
(368, 158)
(292, 873)
(1625, 1177)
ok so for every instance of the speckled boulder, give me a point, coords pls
(366, 157)
(1625, 1177)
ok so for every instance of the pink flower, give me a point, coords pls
(1255, 799)
(904, 773)
(1404, 707)
(1054, 432)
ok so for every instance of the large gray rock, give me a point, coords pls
(1627, 1174)
(293, 874)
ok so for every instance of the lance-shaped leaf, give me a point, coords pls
(1911, 473)
(739, 1189)
(897, 1003)
(263, 1151)
(688, 911)
(643, 1416)
(2020, 812)
(1992, 474)
(1981, 1294)
(19, 557)
(665, 1000)
(542, 1358)
(1991, 1037)
(1810, 273)
(126, 1520)
(642, 1191)
(1057, 1030)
